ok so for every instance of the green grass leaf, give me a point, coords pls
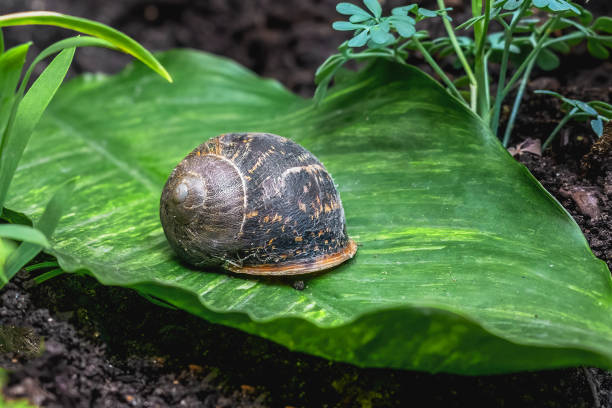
(61, 45)
(85, 26)
(11, 64)
(470, 22)
(325, 73)
(30, 109)
(41, 265)
(42, 278)
(547, 92)
(6, 249)
(602, 108)
(46, 224)
(328, 67)
(465, 263)
(23, 233)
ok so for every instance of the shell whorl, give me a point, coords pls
(202, 208)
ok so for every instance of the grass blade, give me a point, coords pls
(156, 301)
(41, 265)
(23, 233)
(603, 108)
(6, 248)
(28, 114)
(47, 224)
(77, 41)
(55, 208)
(85, 26)
(48, 275)
(14, 217)
(11, 64)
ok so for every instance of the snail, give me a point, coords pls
(255, 203)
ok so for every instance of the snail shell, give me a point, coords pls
(255, 203)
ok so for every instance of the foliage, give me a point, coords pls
(20, 111)
(460, 268)
(376, 31)
(599, 111)
(525, 40)
(441, 281)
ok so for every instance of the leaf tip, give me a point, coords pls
(160, 70)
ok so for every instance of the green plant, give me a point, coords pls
(461, 268)
(21, 108)
(599, 111)
(526, 39)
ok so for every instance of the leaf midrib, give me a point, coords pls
(126, 166)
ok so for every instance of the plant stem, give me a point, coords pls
(438, 70)
(405, 44)
(476, 12)
(460, 55)
(578, 35)
(558, 128)
(364, 55)
(504, 65)
(517, 103)
(482, 39)
(480, 64)
(487, 83)
(502, 23)
(572, 36)
(532, 56)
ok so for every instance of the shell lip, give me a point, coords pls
(287, 269)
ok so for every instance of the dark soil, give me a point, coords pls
(109, 347)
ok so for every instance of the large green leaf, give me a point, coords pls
(466, 264)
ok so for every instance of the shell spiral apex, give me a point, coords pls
(255, 203)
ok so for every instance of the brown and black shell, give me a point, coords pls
(255, 203)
